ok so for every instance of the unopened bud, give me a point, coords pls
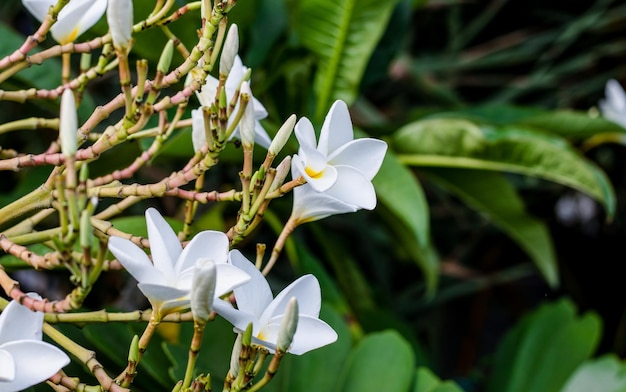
(83, 176)
(86, 232)
(203, 290)
(248, 122)
(68, 125)
(282, 170)
(246, 339)
(120, 19)
(288, 326)
(234, 357)
(282, 135)
(229, 50)
(133, 352)
(166, 57)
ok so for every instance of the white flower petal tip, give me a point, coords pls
(256, 306)
(613, 107)
(207, 96)
(73, 20)
(120, 19)
(24, 359)
(166, 280)
(338, 169)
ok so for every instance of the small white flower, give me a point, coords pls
(256, 305)
(73, 20)
(338, 169)
(120, 20)
(167, 280)
(24, 359)
(206, 96)
(614, 106)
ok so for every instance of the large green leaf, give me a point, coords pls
(605, 374)
(343, 35)
(463, 144)
(492, 195)
(382, 361)
(544, 349)
(427, 381)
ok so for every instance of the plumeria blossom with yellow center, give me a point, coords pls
(207, 95)
(613, 107)
(25, 360)
(73, 20)
(338, 168)
(167, 280)
(256, 306)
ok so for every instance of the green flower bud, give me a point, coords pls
(165, 60)
(282, 135)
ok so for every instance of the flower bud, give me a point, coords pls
(234, 357)
(229, 50)
(166, 57)
(288, 326)
(203, 290)
(86, 236)
(68, 123)
(282, 135)
(133, 353)
(246, 339)
(281, 173)
(248, 122)
(120, 19)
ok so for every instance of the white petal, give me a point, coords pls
(259, 110)
(76, 18)
(7, 367)
(207, 244)
(229, 277)
(239, 319)
(260, 136)
(314, 169)
(35, 361)
(337, 129)
(234, 77)
(17, 322)
(305, 289)
(198, 135)
(165, 298)
(164, 245)
(135, 261)
(353, 187)
(366, 155)
(311, 333)
(615, 95)
(207, 94)
(38, 8)
(254, 296)
(309, 205)
(305, 133)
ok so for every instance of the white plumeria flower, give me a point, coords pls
(207, 95)
(24, 359)
(73, 20)
(167, 280)
(256, 305)
(339, 169)
(614, 106)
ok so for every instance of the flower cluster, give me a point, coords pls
(24, 359)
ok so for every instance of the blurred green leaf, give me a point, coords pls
(541, 352)
(606, 374)
(402, 195)
(427, 381)
(343, 34)
(382, 361)
(462, 144)
(493, 196)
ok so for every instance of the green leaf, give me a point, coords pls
(427, 381)
(493, 196)
(607, 374)
(544, 349)
(382, 361)
(401, 194)
(462, 144)
(343, 35)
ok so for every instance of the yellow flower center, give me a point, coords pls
(312, 173)
(71, 37)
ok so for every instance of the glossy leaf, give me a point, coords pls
(462, 144)
(382, 361)
(493, 196)
(544, 349)
(343, 35)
